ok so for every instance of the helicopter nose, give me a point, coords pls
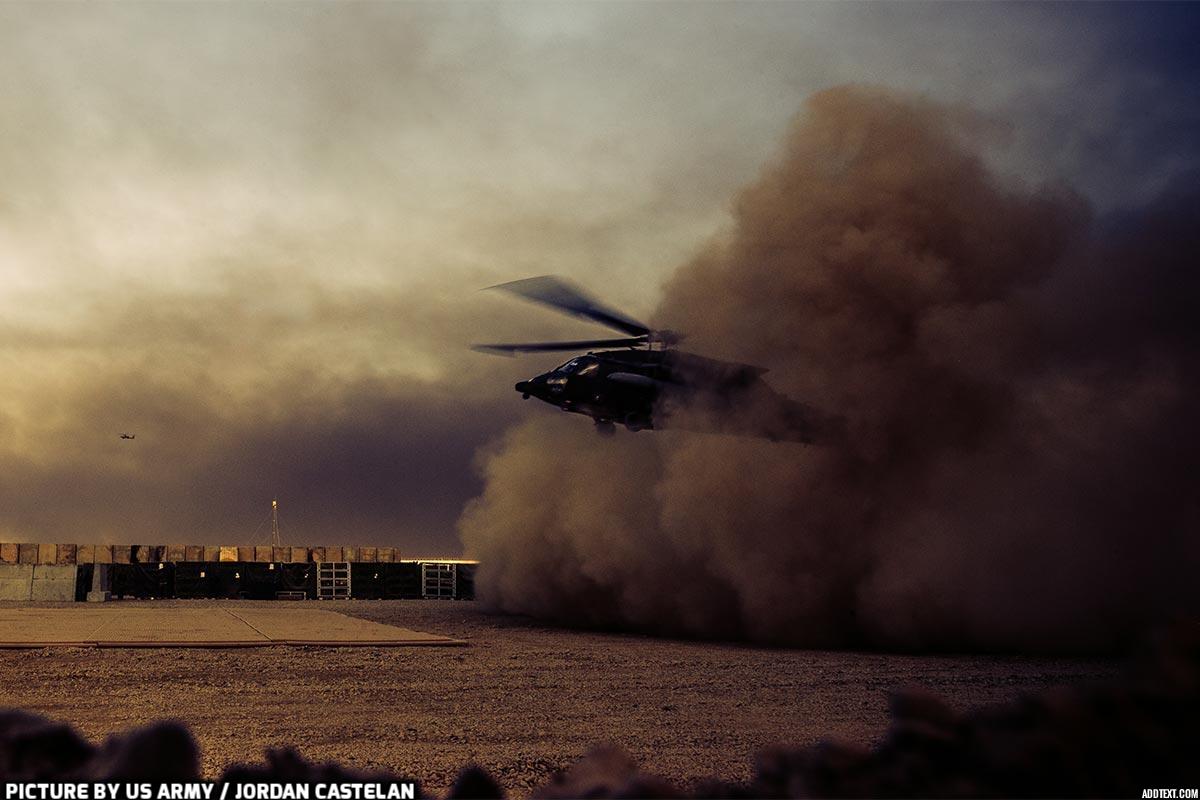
(523, 388)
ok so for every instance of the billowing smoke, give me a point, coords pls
(1018, 382)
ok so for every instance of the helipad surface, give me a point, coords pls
(114, 626)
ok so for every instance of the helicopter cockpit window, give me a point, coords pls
(582, 366)
(569, 367)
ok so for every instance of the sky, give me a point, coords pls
(253, 235)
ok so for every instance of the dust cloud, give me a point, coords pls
(1017, 379)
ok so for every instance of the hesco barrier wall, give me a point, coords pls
(65, 572)
(67, 554)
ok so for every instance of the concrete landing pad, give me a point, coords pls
(297, 626)
(113, 626)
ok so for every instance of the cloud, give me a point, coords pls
(236, 400)
(205, 213)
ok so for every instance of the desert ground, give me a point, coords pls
(522, 700)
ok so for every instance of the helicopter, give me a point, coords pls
(643, 382)
(128, 435)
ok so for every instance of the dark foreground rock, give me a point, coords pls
(1115, 739)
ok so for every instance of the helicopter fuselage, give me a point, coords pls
(628, 387)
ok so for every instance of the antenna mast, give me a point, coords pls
(275, 541)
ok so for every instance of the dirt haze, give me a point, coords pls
(1020, 465)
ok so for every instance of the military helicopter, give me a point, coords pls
(128, 436)
(644, 383)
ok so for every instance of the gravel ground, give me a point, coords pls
(523, 700)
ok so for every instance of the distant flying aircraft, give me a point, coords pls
(128, 436)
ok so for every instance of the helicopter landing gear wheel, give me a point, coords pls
(605, 427)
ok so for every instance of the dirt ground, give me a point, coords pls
(522, 700)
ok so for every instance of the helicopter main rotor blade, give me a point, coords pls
(546, 347)
(558, 294)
